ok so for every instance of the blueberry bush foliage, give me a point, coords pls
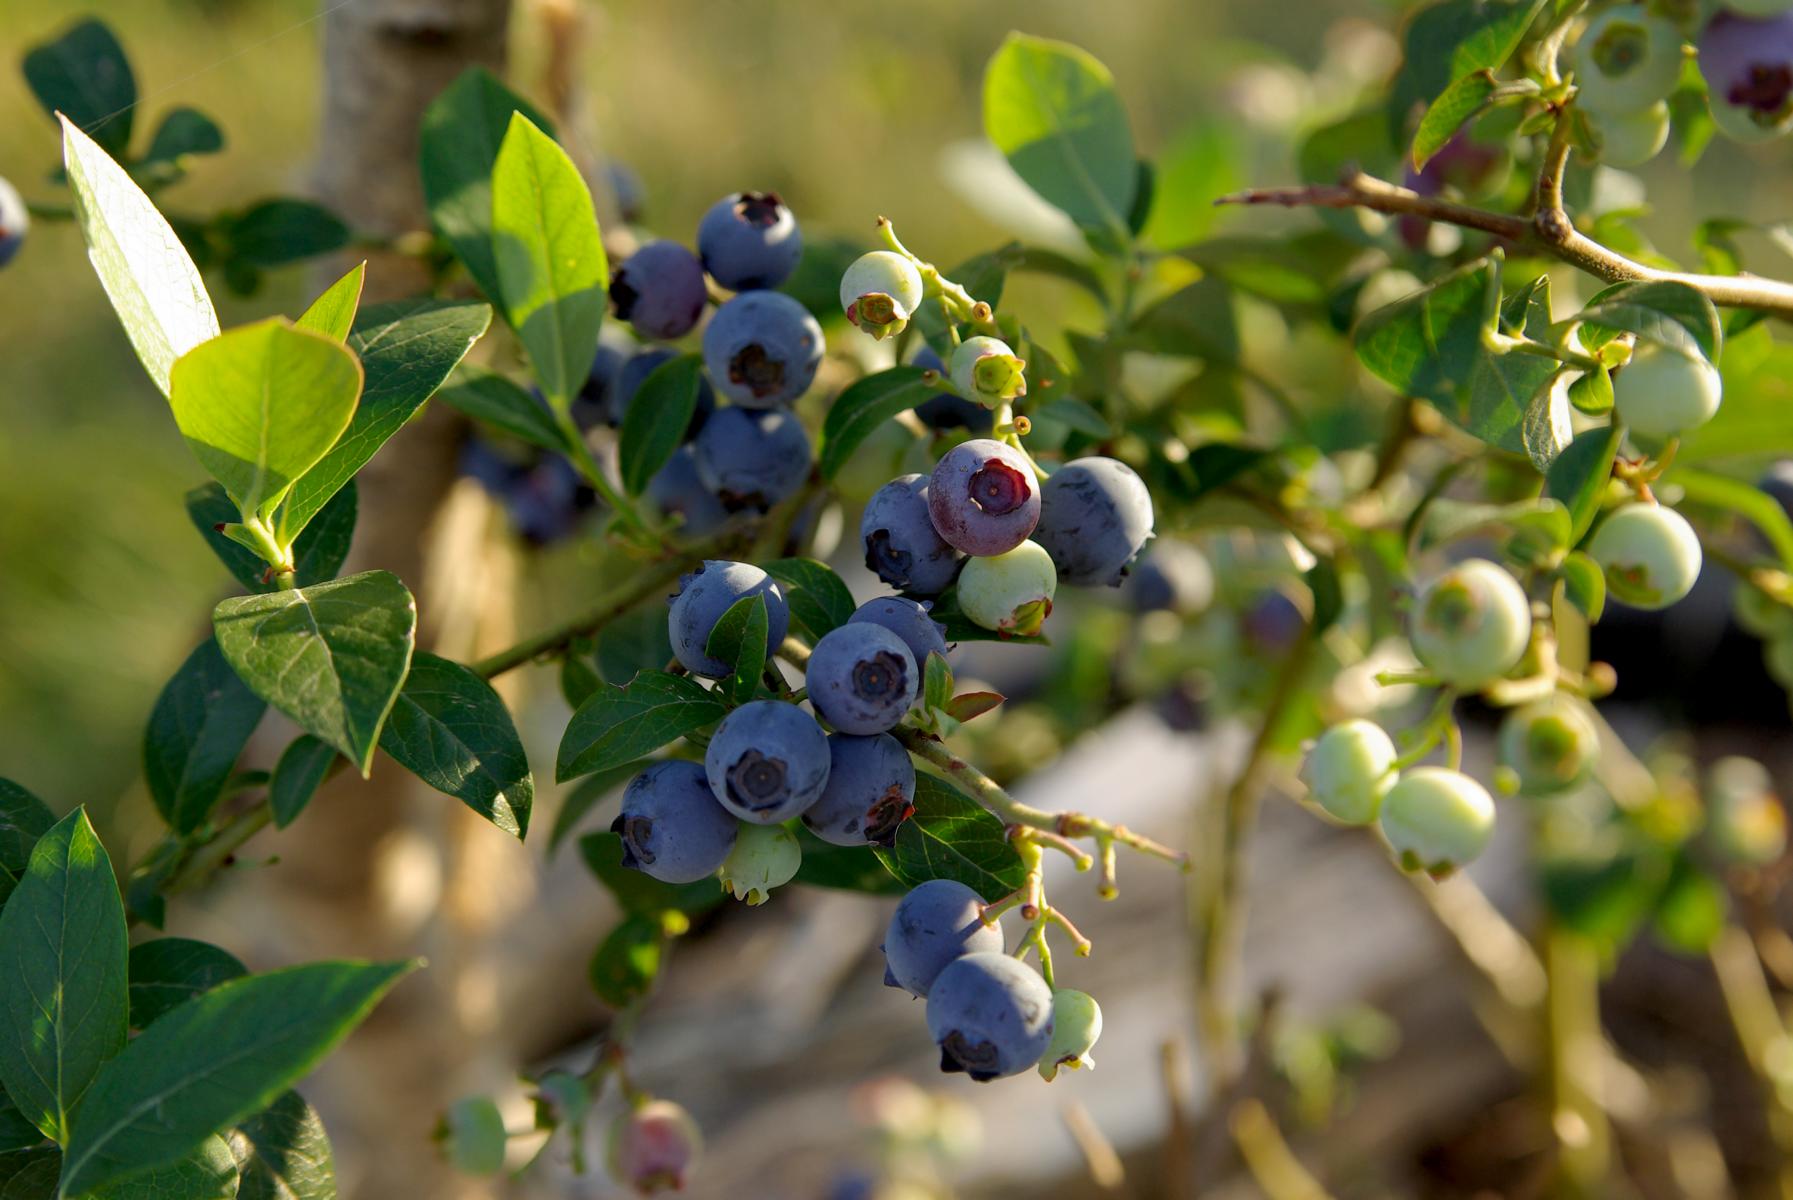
(1527, 417)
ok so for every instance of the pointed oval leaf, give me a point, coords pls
(183, 132)
(333, 313)
(331, 657)
(739, 638)
(1579, 476)
(866, 404)
(63, 997)
(619, 725)
(283, 1153)
(152, 283)
(1670, 314)
(302, 769)
(657, 419)
(213, 1061)
(452, 730)
(490, 397)
(208, 1173)
(23, 819)
(168, 971)
(84, 76)
(818, 599)
(198, 728)
(952, 836)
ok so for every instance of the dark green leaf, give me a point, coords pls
(1448, 41)
(1068, 410)
(200, 724)
(168, 971)
(983, 277)
(579, 679)
(16, 1133)
(1329, 597)
(952, 836)
(1670, 314)
(30, 1174)
(1584, 583)
(331, 657)
(63, 995)
(213, 1061)
(209, 1172)
(628, 961)
(318, 554)
(23, 819)
(815, 284)
(638, 893)
(866, 404)
(490, 397)
(85, 76)
(284, 1153)
(452, 730)
(276, 232)
(1579, 476)
(844, 868)
(631, 644)
(739, 638)
(620, 725)
(585, 796)
(183, 131)
(657, 419)
(818, 600)
(302, 769)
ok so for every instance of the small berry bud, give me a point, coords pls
(986, 370)
(655, 1147)
(880, 292)
(764, 857)
(1076, 1024)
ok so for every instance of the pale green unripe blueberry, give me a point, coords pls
(1349, 770)
(1745, 820)
(1076, 1024)
(1650, 554)
(764, 857)
(1662, 392)
(1010, 593)
(1471, 624)
(1627, 60)
(1549, 744)
(984, 369)
(1634, 138)
(880, 292)
(1436, 820)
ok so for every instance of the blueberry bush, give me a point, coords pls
(1525, 418)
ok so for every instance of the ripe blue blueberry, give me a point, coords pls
(1076, 1026)
(983, 498)
(1095, 517)
(870, 792)
(703, 596)
(634, 372)
(767, 762)
(762, 349)
(1549, 744)
(1436, 820)
(947, 410)
(1349, 771)
(1650, 554)
(659, 290)
(546, 500)
(1748, 66)
(752, 460)
(676, 490)
(936, 923)
(1471, 624)
(15, 221)
(1662, 392)
(749, 240)
(653, 1148)
(986, 370)
(596, 402)
(862, 678)
(901, 544)
(1173, 577)
(764, 857)
(1272, 621)
(880, 292)
(1626, 60)
(991, 1016)
(626, 189)
(909, 620)
(671, 826)
(1009, 593)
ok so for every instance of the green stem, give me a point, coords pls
(611, 605)
(594, 474)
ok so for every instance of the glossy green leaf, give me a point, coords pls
(183, 132)
(275, 233)
(215, 1060)
(1548, 428)
(302, 769)
(865, 405)
(168, 971)
(283, 1153)
(318, 554)
(657, 419)
(197, 729)
(552, 272)
(407, 349)
(843, 868)
(739, 639)
(1584, 584)
(1580, 474)
(261, 405)
(23, 819)
(63, 995)
(333, 313)
(452, 730)
(628, 961)
(952, 836)
(458, 145)
(490, 397)
(640, 894)
(149, 277)
(1459, 102)
(1673, 315)
(1591, 392)
(209, 1172)
(621, 724)
(1052, 109)
(1751, 503)
(635, 642)
(84, 77)
(819, 601)
(1447, 41)
(937, 681)
(331, 657)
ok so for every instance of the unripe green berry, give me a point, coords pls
(1744, 817)
(1437, 820)
(764, 857)
(1010, 593)
(1650, 554)
(1626, 60)
(1471, 624)
(986, 370)
(1349, 770)
(1549, 744)
(1076, 1024)
(1661, 392)
(880, 292)
(1634, 138)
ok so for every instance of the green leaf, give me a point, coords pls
(490, 397)
(1448, 41)
(287, 1153)
(1579, 476)
(168, 971)
(331, 657)
(1459, 102)
(474, 1136)
(1591, 392)
(952, 836)
(585, 796)
(843, 868)
(183, 132)
(17, 1133)
(63, 995)
(23, 819)
(1584, 584)
(84, 77)
(1548, 428)
(657, 419)
(452, 730)
(620, 725)
(1052, 109)
(633, 643)
(458, 144)
(333, 313)
(261, 405)
(1673, 315)
(628, 961)
(209, 1172)
(274, 233)
(302, 769)
(937, 681)
(739, 638)
(1751, 503)
(1069, 410)
(1203, 163)
(213, 1061)
(30, 1174)
(152, 283)
(318, 554)
(819, 601)
(552, 273)
(407, 348)
(1197, 321)
(865, 405)
(640, 894)
(198, 728)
